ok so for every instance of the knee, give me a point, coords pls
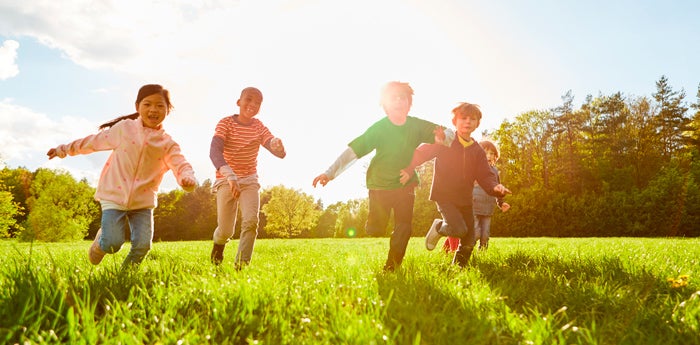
(249, 226)
(404, 229)
(454, 231)
(111, 247)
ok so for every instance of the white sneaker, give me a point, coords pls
(433, 236)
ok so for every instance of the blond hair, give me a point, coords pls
(400, 87)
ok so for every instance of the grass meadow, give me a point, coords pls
(333, 291)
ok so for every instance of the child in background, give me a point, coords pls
(234, 153)
(483, 205)
(451, 244)
(394, 138)
(127, 191)
(456, 169)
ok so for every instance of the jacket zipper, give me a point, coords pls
(136, 172)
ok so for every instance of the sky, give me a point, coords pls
(68, 66)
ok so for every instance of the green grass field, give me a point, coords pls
(333, 291)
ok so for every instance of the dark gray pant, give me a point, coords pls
(458, 221)
(381, 202)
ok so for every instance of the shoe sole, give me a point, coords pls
(95, 253)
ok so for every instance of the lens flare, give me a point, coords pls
(351, 232)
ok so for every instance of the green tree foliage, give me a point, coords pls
(609, 136)
(185, 216)
(60, 208)
(289, 212)
(567, 146)
(618, 166)
(18, 182)
(326, 221)
(8, 213)
(671, 120)
(352, 218)
(644, 152)
(526, 146)
(693, 133)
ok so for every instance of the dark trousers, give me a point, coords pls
(458, 221)
(381, 202)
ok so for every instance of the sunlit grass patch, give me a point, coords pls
(328, 291)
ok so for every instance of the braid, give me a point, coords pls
(113, 122)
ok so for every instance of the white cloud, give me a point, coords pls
(8, 59)
(26, 136)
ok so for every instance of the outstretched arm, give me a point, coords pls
(345, 160)
(101, 141)
(422, 154)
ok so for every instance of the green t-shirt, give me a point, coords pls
(394, 147)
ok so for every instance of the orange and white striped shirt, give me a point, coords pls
(241, 144)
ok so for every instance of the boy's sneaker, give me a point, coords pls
(96, 254)
(217, 253)
(433, 236)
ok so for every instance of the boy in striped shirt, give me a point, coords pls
(234, 152)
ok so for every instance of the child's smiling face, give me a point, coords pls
(249, 104)
(152, 110)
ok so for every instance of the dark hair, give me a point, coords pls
(251, 89)
(144, 91)
(489, 145)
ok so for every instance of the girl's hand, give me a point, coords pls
(52, 153)
(188, 182)
(55, 152)
(404, 177)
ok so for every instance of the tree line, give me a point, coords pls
(50, 205)
(615, 166)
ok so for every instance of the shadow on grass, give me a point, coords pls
(622, 305)
(425, 306)
(523, 297)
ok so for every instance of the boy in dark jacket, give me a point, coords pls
(456, 169)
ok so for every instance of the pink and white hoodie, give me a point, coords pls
(140, 158)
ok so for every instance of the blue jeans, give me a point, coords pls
(458, 221)
(381, 202)
(482, 227)
(227, 210)
(114, 223)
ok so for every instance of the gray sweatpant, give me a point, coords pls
(227, 210)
